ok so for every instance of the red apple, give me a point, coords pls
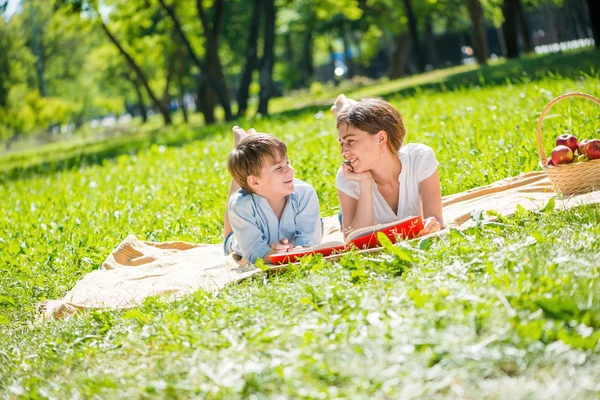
(592, 149)
(581, 148)
(567, 140)
(550, 162)
(562, 155)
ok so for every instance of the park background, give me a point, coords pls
(115, 119)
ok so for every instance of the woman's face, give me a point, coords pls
(363, 149)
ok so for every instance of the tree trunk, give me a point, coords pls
(166, 98)
(509, 28)
(430, 43)
(37, 51)
(180, 81)
(479, 31)
(306, 64)
(268, 59)
(501, 41)
(398, 57)
(289, 50)
(217, 84)
(414, 35)
(131, 62)
(594, 15)
(525, 32)
(332, 60)
(206, 99)
(348, 56)
(212, 33)
(140, 100)
(251, 61)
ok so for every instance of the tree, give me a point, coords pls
(211, 69)
(163, 108)
(251, 59)
(414, 35)
(525, 33)
(479, 31)
(594, 13)
(120, 12)
(267, 61)
(305, 23)
(37, 50)
(509, 28)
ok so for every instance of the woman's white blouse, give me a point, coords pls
(418, 164)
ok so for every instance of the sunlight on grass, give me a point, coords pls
(510, 310)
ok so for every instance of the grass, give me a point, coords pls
(501, 311)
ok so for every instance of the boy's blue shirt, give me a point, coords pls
(255, 225)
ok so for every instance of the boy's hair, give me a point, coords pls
(250, 155)
(373, 115)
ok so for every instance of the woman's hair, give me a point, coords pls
(373, 115)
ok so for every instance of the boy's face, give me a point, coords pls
(276, 178)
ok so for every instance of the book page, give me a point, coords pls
(325, 245)
(370, 229)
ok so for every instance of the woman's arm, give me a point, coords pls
(357, 213)
(431, 195)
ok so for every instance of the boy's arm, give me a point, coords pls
(309, 230)
(248, 236)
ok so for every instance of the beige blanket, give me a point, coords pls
(136, 269)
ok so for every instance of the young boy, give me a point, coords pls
(268, 211)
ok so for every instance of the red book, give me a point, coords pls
(363, 238)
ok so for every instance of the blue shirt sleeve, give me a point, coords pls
(309, 230)
(251, 241)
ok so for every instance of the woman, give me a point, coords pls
(380, 181)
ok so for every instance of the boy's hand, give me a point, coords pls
(279, 247)
(282, 246)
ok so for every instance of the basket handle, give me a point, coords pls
(545, 111)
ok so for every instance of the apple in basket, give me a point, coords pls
(567, 140)
(562, 155)
(592, 149)
(581, 148)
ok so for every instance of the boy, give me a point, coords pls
(268, 211)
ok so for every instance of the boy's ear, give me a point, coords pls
(252, 181)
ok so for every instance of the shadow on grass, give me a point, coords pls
(97, 153)
(528, 69)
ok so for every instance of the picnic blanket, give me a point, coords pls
(137, 269)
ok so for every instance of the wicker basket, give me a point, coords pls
(573, 178)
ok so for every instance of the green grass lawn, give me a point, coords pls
(504, 311)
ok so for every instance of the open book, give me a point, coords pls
(363, 238)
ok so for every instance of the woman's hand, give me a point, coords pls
(431, 225)
(340, 103)
(352, 176)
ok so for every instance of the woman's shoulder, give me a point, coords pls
(415, 149)
(421, 160)
(416, 153)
